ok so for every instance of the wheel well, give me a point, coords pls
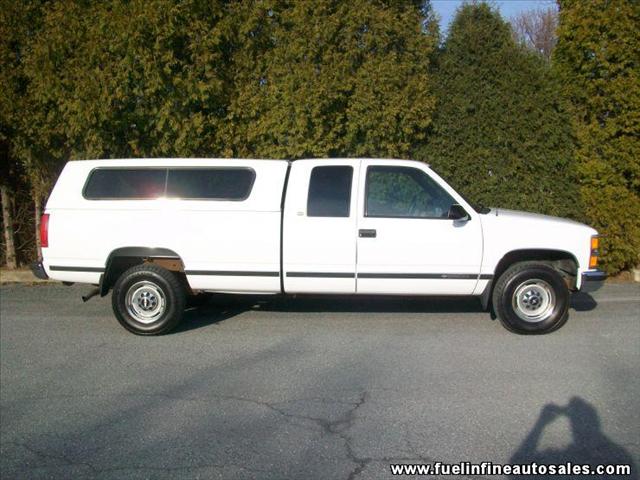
(122, 259)
(563, 262)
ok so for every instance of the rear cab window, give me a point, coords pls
(330, 191)
(210, 183)
(125, 183)
(202, 183)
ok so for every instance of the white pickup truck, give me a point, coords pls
(158, 230)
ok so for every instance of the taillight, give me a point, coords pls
(593, 257)
(44, 231)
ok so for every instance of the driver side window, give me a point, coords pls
(404, 192)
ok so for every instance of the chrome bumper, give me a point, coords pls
(592, 281)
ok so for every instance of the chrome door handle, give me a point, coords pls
(367, 233)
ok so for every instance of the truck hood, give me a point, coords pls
(506, 215)
(509, 230)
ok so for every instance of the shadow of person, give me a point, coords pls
(590, 446)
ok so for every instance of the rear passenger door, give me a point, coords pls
(319, 241)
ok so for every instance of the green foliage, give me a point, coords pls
(120, 79)
(18, 22)
(291, 79)
(202, 78)
(329, 78)
(500, 133)
(598, 59)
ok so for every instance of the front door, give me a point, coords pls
(319, 242)
(406, 242)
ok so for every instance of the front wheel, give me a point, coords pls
(148, 300)
(531, 298)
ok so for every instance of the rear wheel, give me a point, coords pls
(531, 298)
(148, 300)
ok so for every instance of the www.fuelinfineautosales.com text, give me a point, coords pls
(488, 468)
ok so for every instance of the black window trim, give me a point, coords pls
(398, 167)
(166, 182)
(350, 191)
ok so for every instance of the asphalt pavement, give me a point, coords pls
(311, 388)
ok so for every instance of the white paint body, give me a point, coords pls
(418, 256)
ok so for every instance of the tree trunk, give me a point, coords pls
(7, 220)
(38, 213)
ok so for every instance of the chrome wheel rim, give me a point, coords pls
(145, 302)
(534, 300)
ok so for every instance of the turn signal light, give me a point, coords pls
(593, 258)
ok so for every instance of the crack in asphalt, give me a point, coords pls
(338, 427)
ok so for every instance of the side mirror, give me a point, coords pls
(457, 212)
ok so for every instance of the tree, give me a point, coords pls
(18, 23)
(126, 79)
(536, 29)
(501, 134)
(7, 227)
(598, 59)
(209, 78)
(281, 79)
(329, 78)
(108, 79)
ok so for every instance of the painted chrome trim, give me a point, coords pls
(427, 276)
(232, 273)
(59, 268)
(321, 274)
(421, 276)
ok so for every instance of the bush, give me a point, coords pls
(501, 134)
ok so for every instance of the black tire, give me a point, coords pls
(151, 290)
(531, 298)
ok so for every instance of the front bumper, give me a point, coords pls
(38, 270)
(592, 280)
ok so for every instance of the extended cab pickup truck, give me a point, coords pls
(158, 230)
